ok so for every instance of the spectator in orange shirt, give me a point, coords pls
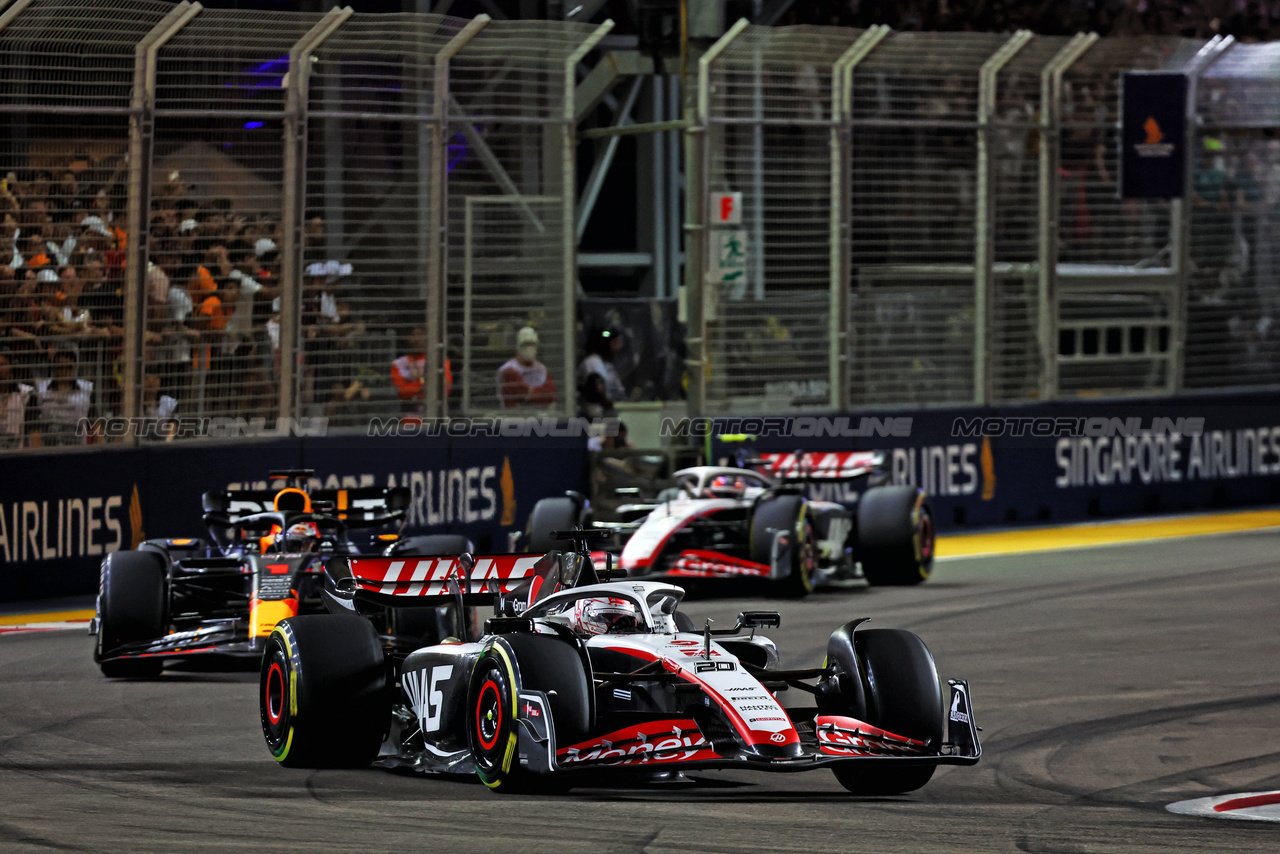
(523, 380)
(408, 370)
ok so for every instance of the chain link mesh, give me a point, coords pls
(508, 200)
(216, 161)
(1233, 302)
(914, 191)
(770, 276)
(66, 79)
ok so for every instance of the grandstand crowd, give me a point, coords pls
(212, 317)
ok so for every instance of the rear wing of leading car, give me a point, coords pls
(803, 466)
(359, 507)
(415, 581)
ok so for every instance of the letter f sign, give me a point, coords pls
(728, 208)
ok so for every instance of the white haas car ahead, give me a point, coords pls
(740, 523)
(577, 677)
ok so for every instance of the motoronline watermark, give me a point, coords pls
(199, 427)
(1073, 427)
(509, 427)
(789, 427)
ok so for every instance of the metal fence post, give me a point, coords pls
(8, 13)
(435, 401)
(568, 230)
(697, 115)
(1211, 52)
(141, 140)
(1047, 218)
(295, 200)
(984, 219)
(841, 146)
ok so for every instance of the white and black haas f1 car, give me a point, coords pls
(760, 523)
(263, 561)
(579, 677)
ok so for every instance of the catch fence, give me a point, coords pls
(934, 218)
(267, 214)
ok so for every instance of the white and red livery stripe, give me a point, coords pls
(428, 576)
(835, 465)
(703, 563)
(1243, 806)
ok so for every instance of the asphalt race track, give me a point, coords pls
(1110, 682)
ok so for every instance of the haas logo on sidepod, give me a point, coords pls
(426, 699)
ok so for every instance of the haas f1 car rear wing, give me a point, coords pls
(802, 466)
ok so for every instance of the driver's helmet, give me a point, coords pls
(603, 614)
(726, 486)
(298, 537)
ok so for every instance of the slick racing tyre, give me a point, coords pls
(895, 535)
(323, 694)
(904, 697)
(786, 513)
(551, 514)
(492, 725)
(532, 662)
(133, 603)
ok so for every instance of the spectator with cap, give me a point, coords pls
(523, 381)
(601, 348)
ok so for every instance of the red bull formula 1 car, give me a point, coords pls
(760, 522)
(184, 598)
(579, 673)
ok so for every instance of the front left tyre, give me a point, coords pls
(133, 605)
(324, 696)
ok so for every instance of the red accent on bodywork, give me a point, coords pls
(278, 568)
(831, 465)
(427, 576)
(651, 741)
(1269, 799)
(845, 736)
(647, 560)
(748, 734)
(704, 563)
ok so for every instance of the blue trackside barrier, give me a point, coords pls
(1051, 462)
(61, 512)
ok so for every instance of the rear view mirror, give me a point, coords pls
(759, 619)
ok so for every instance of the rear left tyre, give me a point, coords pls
(786, 513)
(324, 695)
(895, 535)
(133, 605)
